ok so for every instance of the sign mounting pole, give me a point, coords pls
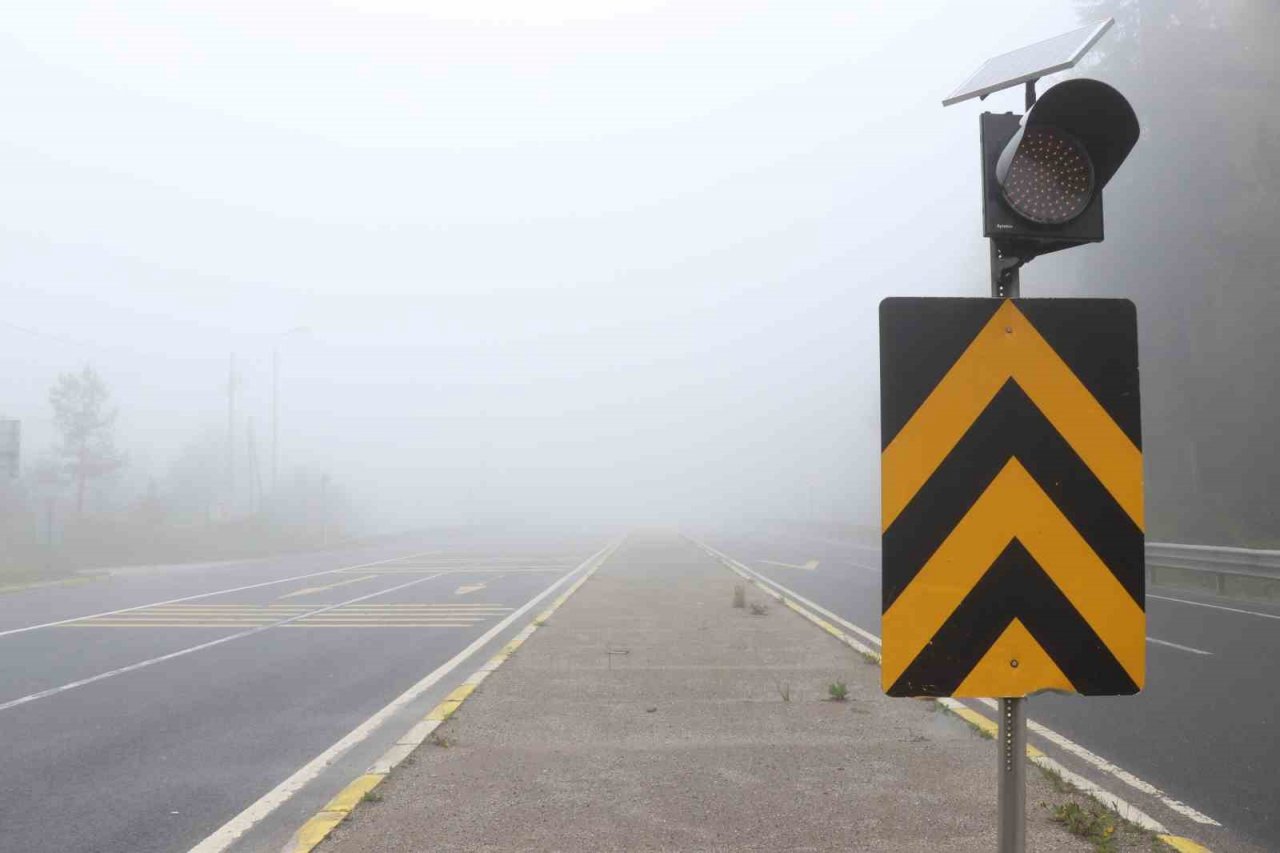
(1011, 765)
(1011, 786)
(1011, 455)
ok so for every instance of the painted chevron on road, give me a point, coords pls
(1011, 498)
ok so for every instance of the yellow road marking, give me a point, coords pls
(322, 823)
(291, 625)
(312, 589)
(1183, 845)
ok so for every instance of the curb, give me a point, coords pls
(978, 722)
(338, 809)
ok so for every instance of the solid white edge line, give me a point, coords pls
(1215, 606)
(1089, 757)
(257, 629)
(1176, 646)
(233, 829)
(1048, 734)
(199, 595)
(867, 635)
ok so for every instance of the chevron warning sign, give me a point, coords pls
(1011, 497)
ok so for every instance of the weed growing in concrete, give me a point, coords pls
(838, 691)
(1055, 778)
(784, 690)
(374, 796)
(440, 740)
(1092, 822)
(758, 609)
(739, 596)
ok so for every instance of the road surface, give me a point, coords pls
(1203, 729)
(144, 712)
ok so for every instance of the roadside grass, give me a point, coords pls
(373, 796)
(739, 596)
(1055, 779)
(1090, 820)
(440, 740)
(759, 609)
(837, 691)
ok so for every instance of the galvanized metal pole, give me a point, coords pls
(1011, 788)
(1011, 752)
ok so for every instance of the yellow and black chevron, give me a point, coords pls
(1011, 497)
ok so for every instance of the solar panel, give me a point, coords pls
(1029, 63)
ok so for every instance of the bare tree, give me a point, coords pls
(81, 413)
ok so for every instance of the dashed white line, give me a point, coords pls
(1176, 646)
(1216, 606)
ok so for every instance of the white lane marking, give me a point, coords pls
(197, 596)
(804, 567)
(1216, 606)
(311, 589)
(468, 587)
(228, 833)
(866, 635)
(1048, 734)
(1084, 754)
(1176, 646)
(102, 676)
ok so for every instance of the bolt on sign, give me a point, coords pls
(1011, 497)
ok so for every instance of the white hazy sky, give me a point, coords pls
(613, 258)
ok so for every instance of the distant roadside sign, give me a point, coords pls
(1012, 497)
(10, 443)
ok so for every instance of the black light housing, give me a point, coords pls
(1043, 173)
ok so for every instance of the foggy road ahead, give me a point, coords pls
(143, 712)
(1202, 729)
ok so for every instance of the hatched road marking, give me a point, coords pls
(202, 595)
(102, 676)
(804, 567)
(312, 589)
(452, 615)
(233, 829)
(466, 570)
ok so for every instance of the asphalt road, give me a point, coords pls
(1203, 729)
(143, 712)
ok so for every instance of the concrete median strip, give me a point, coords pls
(340, 807)
(981, 723)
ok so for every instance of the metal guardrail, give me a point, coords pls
(1222, 568)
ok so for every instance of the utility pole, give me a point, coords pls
(275, 419)
(255, 471)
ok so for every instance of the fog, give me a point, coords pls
(566, 261)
